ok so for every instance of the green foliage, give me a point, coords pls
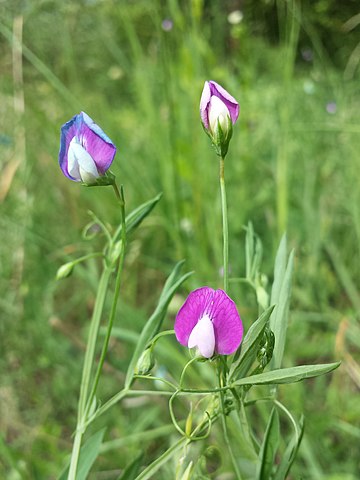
(154, 323)
(142, 85)
(269, 446)
(287, 375)
(88, 454)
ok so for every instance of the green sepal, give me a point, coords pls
(103, 181)
(220, 140)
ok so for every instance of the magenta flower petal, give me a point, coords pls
(97, 143)
(213, 89)
(204, 105)
(232, 105)
(92, 145)
(203, 304)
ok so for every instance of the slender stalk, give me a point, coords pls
(85, 400)
(225, 225)
(120, 268)
(88, 363)
(224, 426)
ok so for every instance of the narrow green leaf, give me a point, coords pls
(290, 453)
(132, 470)
(134, 218)
(88, 454)
(288, 375)
(141, 436)
(153, 325)
(174, 275)
(280, 297)
(250, 346)
(269, 447)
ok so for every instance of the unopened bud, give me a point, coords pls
(65, 271)
(145, 363)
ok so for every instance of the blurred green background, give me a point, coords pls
(138, 69)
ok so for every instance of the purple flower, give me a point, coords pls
(86, 152)
(219, 112)
(209, 320)
(167, 24)
(331, 107)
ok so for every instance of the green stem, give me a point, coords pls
(156, 379)
(223, 422)
(120, 196)
(85, 401)
(88, 362)
(225, 225)
(87, 257)
(190, 362)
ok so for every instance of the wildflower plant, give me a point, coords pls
(228, 364)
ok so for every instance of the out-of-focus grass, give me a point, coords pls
(293, 164)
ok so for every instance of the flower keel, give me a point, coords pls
(203, 337)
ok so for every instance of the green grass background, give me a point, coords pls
(291, 166)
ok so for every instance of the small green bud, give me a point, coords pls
(145, 363)
(65, 270)
(262, 297)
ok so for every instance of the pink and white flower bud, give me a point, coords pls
(219, 111)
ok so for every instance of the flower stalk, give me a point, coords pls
(222, 392)
(225, 226)
(86, 400)
(87, 368)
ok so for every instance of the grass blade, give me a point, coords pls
(290, 453)
(280, 297)
(269, 447)
(160, 461)
(132, 469)
(88, 454)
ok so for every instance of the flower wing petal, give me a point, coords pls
(228, 99)
(227, 323)
(204, 105)
(96, 143)
(67, 133)
(191, 312)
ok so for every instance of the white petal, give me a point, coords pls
(218, 111)
(203, 337)
(81, 165)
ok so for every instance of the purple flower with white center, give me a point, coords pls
(209, 320)
(219, 112)
(86, 152)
